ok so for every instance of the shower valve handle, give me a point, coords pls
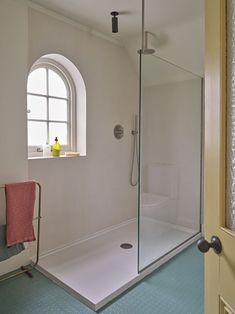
(204, 246)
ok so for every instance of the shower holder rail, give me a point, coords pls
(26, 269)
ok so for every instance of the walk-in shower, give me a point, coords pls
(170, 158)
(165, 171)
(97, 269)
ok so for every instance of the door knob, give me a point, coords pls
(215, 244)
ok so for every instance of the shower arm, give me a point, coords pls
(143, 22)
(145, 40)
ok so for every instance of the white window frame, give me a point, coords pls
(49, 64)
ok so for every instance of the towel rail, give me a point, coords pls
(26, 269)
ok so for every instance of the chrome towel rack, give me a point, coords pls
(28, 268)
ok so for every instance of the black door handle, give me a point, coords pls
(215, 244)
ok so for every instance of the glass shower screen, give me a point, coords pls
(170, 158)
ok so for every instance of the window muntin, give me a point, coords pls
(49, 107)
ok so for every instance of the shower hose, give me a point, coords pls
(135, 156)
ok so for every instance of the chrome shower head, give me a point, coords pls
(146, 50)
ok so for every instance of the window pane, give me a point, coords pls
(37, 82)
(37, 133)
(58, 130)
(37, 107)
(56, 85)
(57, 109)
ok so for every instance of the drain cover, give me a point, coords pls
(126, 246)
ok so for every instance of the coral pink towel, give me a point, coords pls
(20, 199)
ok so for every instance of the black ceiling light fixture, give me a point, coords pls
(114, 21)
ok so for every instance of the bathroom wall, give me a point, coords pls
(83, 195)
(13, 75)
(171, 135)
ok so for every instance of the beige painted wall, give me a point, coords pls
(86, 194)
(13, 75)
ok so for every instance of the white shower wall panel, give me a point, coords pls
(83, 195)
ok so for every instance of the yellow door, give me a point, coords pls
(219, 269)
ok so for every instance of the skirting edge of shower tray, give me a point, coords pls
(131, 279)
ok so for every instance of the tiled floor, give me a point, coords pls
(177, 288)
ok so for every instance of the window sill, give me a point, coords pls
(52, 157)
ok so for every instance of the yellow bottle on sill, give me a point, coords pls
(56, 148)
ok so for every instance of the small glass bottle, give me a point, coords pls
(47, 150)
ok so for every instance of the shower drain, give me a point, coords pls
(126, 246)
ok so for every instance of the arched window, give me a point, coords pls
(50, 106)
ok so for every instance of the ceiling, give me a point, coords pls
(96, 13)
(177, 27)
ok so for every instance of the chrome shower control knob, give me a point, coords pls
(118, 131)
(204, 246)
